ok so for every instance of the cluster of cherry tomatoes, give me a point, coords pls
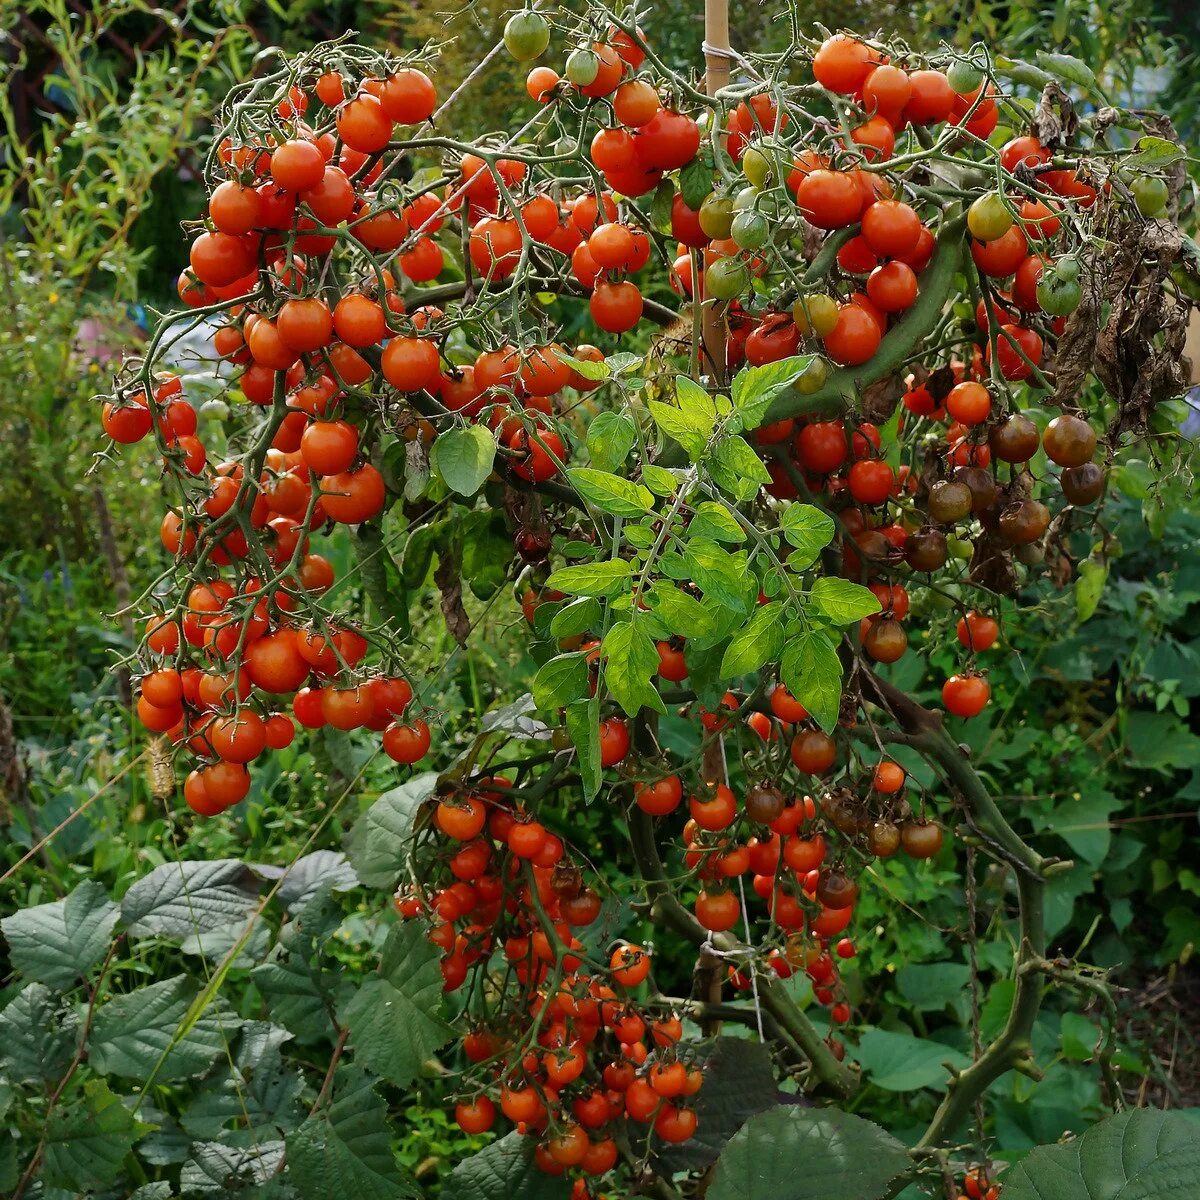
(567, 1049)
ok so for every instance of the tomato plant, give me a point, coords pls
(430, 343)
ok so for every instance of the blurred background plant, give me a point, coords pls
(1092, 743)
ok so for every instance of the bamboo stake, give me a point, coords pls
(716, 76)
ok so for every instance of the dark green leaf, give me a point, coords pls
(181, 898)
(696, 180)
(379, 842)
(583, 724)
(38, 1035)
(561, 680)
(86, 1143)
(899, 1062)
(58, 943)
(505, 1170)
(1068, 68)
(345, 1150)
(794, 1153)
(395, 1018)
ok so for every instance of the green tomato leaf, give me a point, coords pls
(696, 180)
(611, 437)
(505, 1170)
(841, 601)
(690, 429)
(755, 389)
(758, 642)
(1068, 68)
(715, 522)
(463, 457)
(718, 573)
(605, 579)
(630, 663)
(379, 841)
(660, 480)
(583, 724)
(560, 681)
(812, 672)
(621, 497)
(575, 618)
(1089, 587)
(86, 1143)
(808, 529)
(736, 469)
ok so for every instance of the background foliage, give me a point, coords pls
(1089, 742)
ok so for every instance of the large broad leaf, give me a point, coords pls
(505, 1170)
(345, 1151)
(307, 875)
(931, 986)
(300, 987)
(1143, 1154)
(739, 1081)
(58, 943)
(463, 457)
(85, 1143)
(182, 898)
(378, 843)
(38, 1035)
(218, 1169)
(142, 1034)
(794, 1153)
(394, 1018)
(899, 1062)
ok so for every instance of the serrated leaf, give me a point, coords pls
(575, 618)
(691, 430)
(38, 1035)
(86, 1143)
(680, 612)
(308, 874)
(899, 1062)
(218, 1168)
(589, 369)
(630, 662)
(610, 438)
(715, 522)
(1141, 1154)
(561, 680)
(755, 389)
(605, 579)
(505, 1170)
(659, 480)
(812, 672)
(694, 400)
(58, 943)
(842, 601)
(696, 180)
(718, 573)
(583, 724)
(378, 843)
(809, 530)
(739, 1081)
(794, 1153)
(620, 497)
(394, 1018)
(463, 456)
(345, 1150)
(758, 642)
(181, 898)
(736, 469)
(1154, 153)
(137, 1035)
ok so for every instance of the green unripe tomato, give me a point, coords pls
(1149, 194)
(526, 35)
(964, 77)
(1067, 267)
(750, 230)
(960, 548)
(560, 739)
(816, 314)
(988, 217)
(757, 167)
(745, 199)
(726, 279)
(716, 215)
(812, 379)
(1058, 295)
(582, 67)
